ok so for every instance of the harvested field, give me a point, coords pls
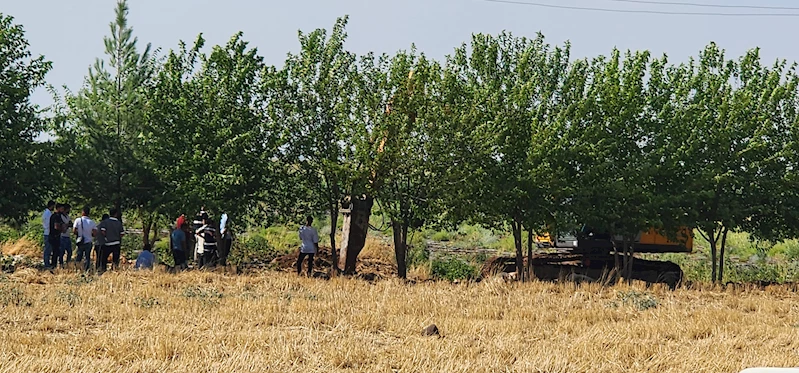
(208, 322)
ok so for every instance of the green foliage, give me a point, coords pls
(163, 252)
(207, 296)
(417, 255)
(452, 269)
(507, 133)
(100, 127)
(264, 245)
(24, 162)
(9, 234)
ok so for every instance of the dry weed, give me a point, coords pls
(209, 322)
(24, 247)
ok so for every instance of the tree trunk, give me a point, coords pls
(399, 248)
(625, 260)
(630, 260)
(713, 256)
(333, 229)
(530, 254)
(145, 227)
(617, 268)
(517, 239)
(721, 255)
(154, 231)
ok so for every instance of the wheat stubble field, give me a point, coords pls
(208, 322)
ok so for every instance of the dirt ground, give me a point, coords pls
(370, 268)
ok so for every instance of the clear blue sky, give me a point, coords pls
(70, 33)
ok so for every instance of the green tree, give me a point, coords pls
(316, 106)
(614, 191)
(504, 90)
(207, 133)
(104, 164)
(399, 95)
(25, 164)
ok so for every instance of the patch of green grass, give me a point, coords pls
(202, 292)
(632, 298)
(452, 269)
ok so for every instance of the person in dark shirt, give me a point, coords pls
(180, 245)
(99, 246)
(57, 227)
(113, 231)
(208, 232)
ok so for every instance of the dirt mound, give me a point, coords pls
(24, 247)
(369, 268)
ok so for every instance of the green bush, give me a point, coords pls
(443, 236)
(417, 255)
(8, 234)
(14, 296)
(33, 229)
(453, 269)
(163, 252)
(253, 247)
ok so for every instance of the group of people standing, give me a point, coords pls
(209, 249)
(104, 238)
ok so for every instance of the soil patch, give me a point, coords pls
(367, 268)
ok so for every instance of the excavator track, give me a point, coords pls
(567, 266)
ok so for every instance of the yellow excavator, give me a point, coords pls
(590, 256)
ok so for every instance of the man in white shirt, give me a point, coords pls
(48, 249)
(84, 229)
(310, 245)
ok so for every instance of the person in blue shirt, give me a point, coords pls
(146, 259)
(180, 245)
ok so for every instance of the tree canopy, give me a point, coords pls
(507, 131)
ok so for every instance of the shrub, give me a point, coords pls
(417, 254)
(442, 236)
(252, 247)
(163, 252)
(453, 269)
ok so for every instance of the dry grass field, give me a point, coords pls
(209, 322)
